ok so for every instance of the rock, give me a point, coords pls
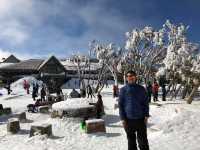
(74, 94)
(44, 109)
(41, 129)
(13, 125)
(7, 111)
(55, 114)
(95, 125)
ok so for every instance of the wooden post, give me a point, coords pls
(41, 129)
(13, 125)
(95, 125)
(7, 111)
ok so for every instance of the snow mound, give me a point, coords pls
(184, 123)
(71, 103)
(3, 91)
(17, 86)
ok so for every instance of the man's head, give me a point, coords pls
(131, 76)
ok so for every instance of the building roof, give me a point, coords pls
(26, 65)
(56, 61)
(69, 65)
(32, 65)
(11, 59)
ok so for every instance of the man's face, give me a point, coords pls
(131, 78)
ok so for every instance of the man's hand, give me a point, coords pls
(146, 120)
(124, 123)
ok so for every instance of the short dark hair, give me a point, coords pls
(131, 72)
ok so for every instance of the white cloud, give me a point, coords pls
(24, 56)
(13, 30)
(35, 25)
(4, 54)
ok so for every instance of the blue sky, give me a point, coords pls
(39, 28)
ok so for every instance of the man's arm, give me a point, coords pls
(122, 113)
(145, 104)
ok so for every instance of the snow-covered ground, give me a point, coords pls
(172, 126)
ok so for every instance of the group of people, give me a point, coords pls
(152, 89)
(44, 97)
(83, 92)
(35, 92)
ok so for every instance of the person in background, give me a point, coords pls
(155, 89)
(43, 93)
(89, 91)
(26, 86)
(34, 92)
(36, 88)
(162, 83)
(8, 88)
(115, 91)
(134, 112)
(59, 94)
(149, 90)
(99, 106)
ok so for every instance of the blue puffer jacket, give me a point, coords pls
(133, 102)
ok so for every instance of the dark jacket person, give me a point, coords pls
(134, 112)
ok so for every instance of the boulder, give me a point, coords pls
(44, 109)
(41, 129)
(95, 125)
(13, 125)
(55, 114)
(74, 94)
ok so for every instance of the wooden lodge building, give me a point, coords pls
(51, 71)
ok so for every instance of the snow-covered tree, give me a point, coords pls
(102, 70)
(144, 50)
(109, 55)
(81, 62)
(179, 60)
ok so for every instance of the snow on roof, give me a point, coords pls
(5, 64)
(31, 64)
(69, 65)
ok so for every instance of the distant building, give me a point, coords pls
(11, 59)
(52, 71)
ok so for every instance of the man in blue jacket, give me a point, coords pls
(134, 112)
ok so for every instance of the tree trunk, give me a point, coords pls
(185, 91)
(190, 98)
(169, 87)
(175, 91)
(124, 78)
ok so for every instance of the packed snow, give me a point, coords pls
(71, 103)
(173, 125)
